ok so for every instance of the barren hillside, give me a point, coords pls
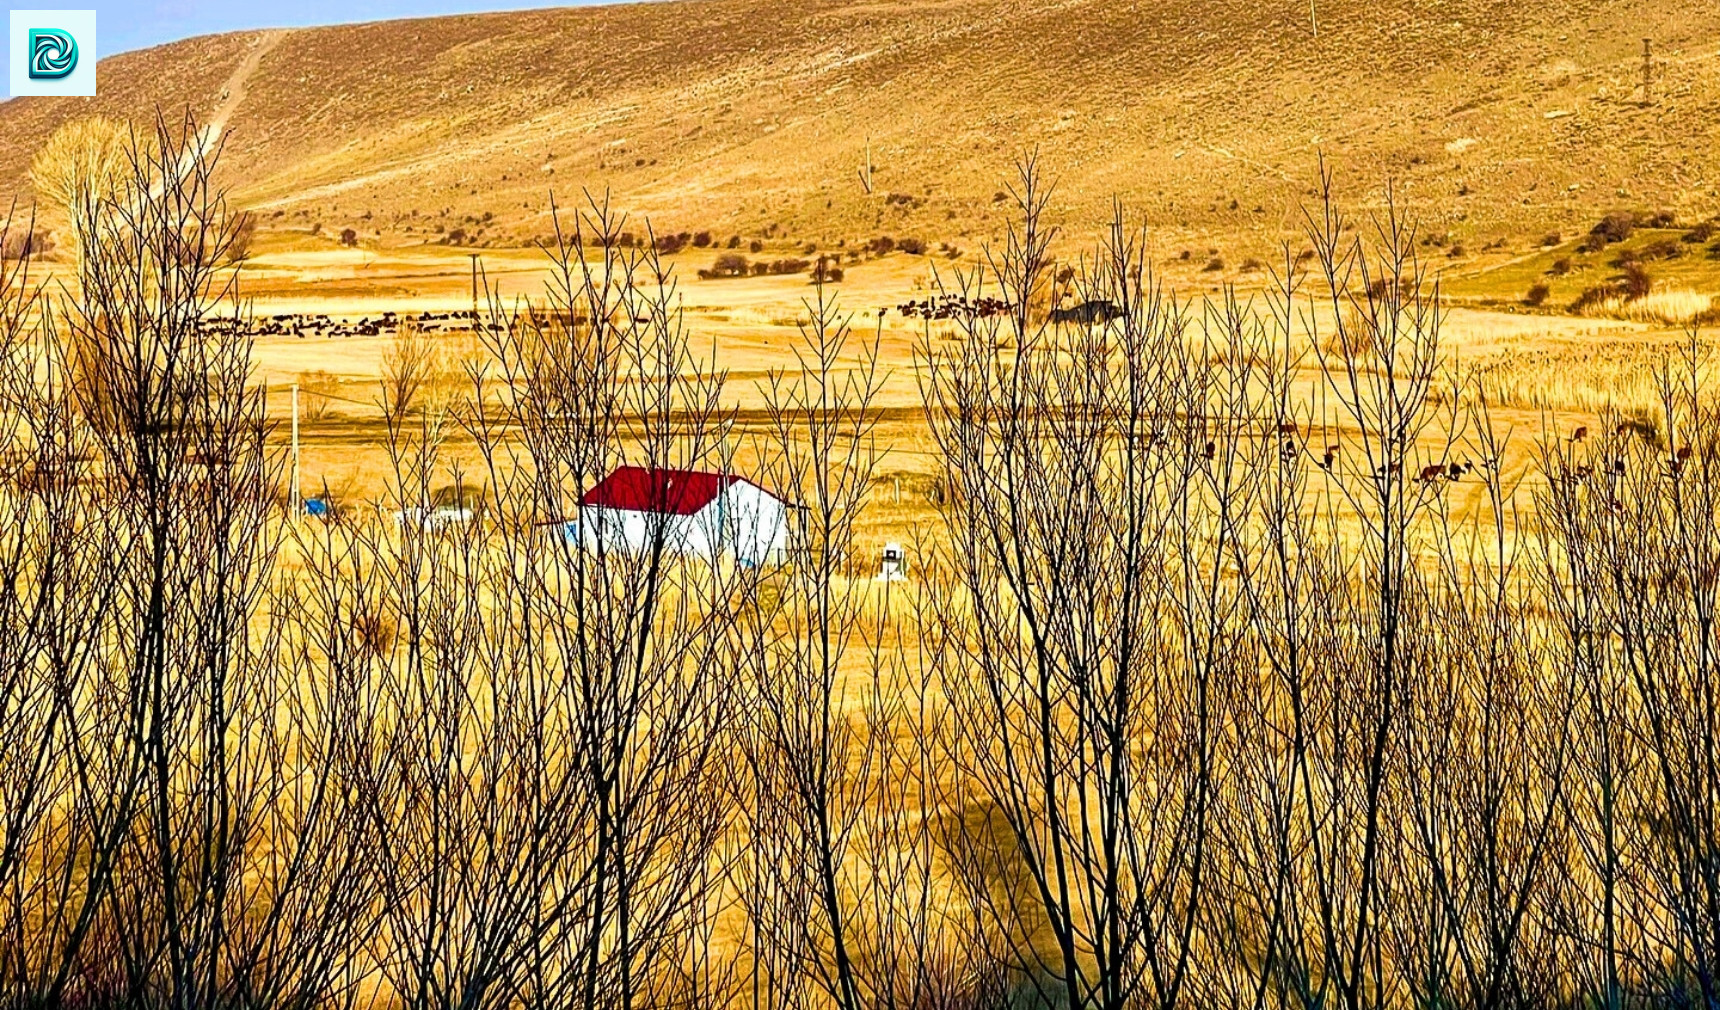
(1493, 116)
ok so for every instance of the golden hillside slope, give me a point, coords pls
(1493, 116)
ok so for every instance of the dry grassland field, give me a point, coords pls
(848, 505)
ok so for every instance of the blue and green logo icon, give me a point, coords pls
(53, 54)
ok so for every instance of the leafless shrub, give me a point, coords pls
(410, 363)
(1207, 692)
(316, 389)
(79, 169)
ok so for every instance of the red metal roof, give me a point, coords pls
(641, 489)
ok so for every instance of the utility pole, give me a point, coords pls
(1647, 72)
(296, 501)
(1314, 18)
(866, 169)
(474, 284)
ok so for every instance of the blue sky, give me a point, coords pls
(139, 24)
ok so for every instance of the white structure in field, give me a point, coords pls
(688, 512)
(892, 564)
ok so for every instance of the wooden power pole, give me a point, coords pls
(296, 497)
(1647, 72)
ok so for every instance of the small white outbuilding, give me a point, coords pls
(689, 511)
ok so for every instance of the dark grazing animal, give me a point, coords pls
(1096, 310)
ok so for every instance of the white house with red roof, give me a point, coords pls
(687, 511)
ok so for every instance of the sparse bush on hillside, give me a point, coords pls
(826, 271)
(244, 233)
(1615, 227)
(1560, 267)
(348, 237)
(727, 265)
(1592, 243)
(883, 245)
(1536, 295)
(701, 239)
(1456, 251)
(1699, 234)
(755, 246)
(1551, 239)
(1638, 282)
(669, 245)
(912, 246)
(1661, 249)
(734, 242)
(1213, 265)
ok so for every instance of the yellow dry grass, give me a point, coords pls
(1668, 308)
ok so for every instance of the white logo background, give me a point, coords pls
(81, 25)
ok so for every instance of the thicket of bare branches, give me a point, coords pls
(1238, 671)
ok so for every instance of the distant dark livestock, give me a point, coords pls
(954, 307)
(1095, 310)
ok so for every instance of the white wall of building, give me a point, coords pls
(744, 521)
(756, 521)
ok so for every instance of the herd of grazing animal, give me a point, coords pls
(948, 306)
(319, 324)
(308, 324)
(1091, 312)
(953, 306)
